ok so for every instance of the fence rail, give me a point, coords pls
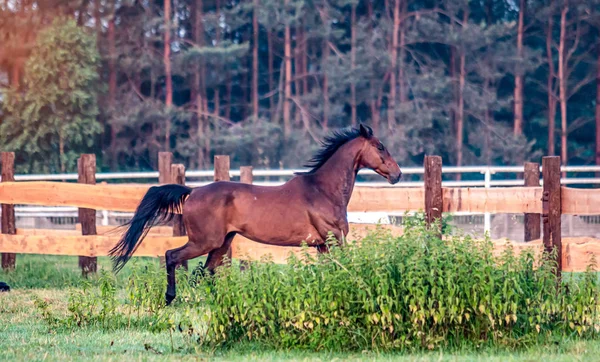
(550, 200)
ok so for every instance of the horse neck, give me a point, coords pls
(336, 177)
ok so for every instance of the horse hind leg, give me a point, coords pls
(217, 256)
(174, 257)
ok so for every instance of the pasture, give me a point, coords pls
(46, 316)
(392, 295)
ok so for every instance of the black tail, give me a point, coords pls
(159, 205)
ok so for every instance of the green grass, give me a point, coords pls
(24, 334)
(59, 272)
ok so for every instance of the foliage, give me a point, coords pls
(52, 119)
(414, 292)
(339, 64)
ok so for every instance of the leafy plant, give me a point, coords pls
(411, 292)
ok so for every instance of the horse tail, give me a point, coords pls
(159, 205)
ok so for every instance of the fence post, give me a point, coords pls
(433, 190)
(532, 220)
(165, 159)
(86, 170)
(222, 174)
(246, 177)
(222, 168)
(178, 175)
(8, 211)
(551, 201)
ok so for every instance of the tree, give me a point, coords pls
(52, 118)
(167, 63)
(518, 125)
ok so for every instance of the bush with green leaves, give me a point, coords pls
(411, 292)
(408, 293)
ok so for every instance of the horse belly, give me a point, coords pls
(276, 224)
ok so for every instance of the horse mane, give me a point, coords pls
(330, 144)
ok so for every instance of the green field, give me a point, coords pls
(25, 335)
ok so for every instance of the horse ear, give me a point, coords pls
(366, 131)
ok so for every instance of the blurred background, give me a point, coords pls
(489, 82)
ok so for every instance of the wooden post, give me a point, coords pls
(178, 177)
(86, 169)
(532, 221)
(8, 211)
(433, 190)
(222, 168)
(551, 201)
(165, 159)
(222, 174)
(246, 177)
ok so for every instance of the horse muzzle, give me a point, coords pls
(394, 178)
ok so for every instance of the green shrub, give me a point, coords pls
(411, 292)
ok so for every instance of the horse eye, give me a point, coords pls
(380, 147)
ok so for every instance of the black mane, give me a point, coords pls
(329, 146)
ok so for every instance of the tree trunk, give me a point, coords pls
(373, 93)
(61, 151)
(487, 120)
(228, 87)
(112, 83)
(353, 64)
(255, 62)
(325, 84)
(298, 59)
(305, 88)
(518, 123)
(461, 102)
(562, 83)
(375, 114)
(217, 95)
(551, 97)
(98, 19)
(598, 106)
(324, 60)
(287, 129)
(394, 57)
(167, 63)
(270, 70)
(198, 89)
(454, 83)
(402, 93)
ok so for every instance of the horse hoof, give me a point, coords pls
(169, 298)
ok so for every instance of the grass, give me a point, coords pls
(24, 334)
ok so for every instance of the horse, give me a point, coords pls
(304, 209)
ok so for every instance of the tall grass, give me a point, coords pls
(414, 292)
(411, 292)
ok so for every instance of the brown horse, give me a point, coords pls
(306, 208)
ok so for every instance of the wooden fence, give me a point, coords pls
(89, 241)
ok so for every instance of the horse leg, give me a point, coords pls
(215, 257)
(340, 235)
(176, 256)
(322, 248)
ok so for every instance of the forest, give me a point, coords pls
(486, 82)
